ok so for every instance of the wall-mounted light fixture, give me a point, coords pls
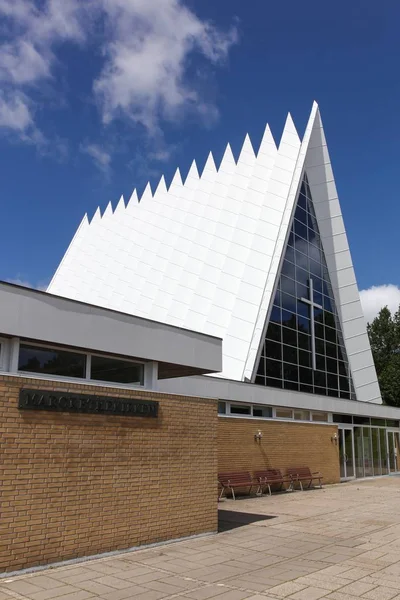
(334, 438)
(258, 436)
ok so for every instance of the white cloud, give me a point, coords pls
(100, 156)
(376, 297)
(147, 52)
(146, 47)
(27, 57)
(15, 113)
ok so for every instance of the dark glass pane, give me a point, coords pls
(302, 202)
(240, 410)
(319, 378)
(317, 286)
(300, 229)
(327, 304)
(345, 395)
(303, 308)
(301, 290)
(390, 423)
(116, 370)
(304, 341)
(307, 389)
(342, 419)
(290, 354)
(303, 324)
(289, 336)
(290, 372)
(260, 380)
(332, 381)
(275, 315)
(289, 319)
(304, 358)
(320, 348)
(331, 350)
(322, 391)
(51, 361)
(302, 276)
(262, 411)
(288, 285)
(274, 382)
(221, 408)
(288, 302)
(261, 367)
(344, 384)
(329, 319)
(274, 369)
(291, 385)
(331, 365)
(319, 330)
(273, 350)
(330, 335)
(274, 332)
(306, 375)
(318, 300)
(301, 215)
(333, 393)
(361, 420)
(288, 269)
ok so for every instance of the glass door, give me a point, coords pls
(392, 447)
(346, 453)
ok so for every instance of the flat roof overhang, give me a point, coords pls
(36, 315)
(239, 391)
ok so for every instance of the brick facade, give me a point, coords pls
(81, 484)
(283, 445)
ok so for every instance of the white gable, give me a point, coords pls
(204, 254)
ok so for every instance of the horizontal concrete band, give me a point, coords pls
(36, 315)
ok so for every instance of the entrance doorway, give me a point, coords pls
(368, 451)
(392, 450)
(346, 453)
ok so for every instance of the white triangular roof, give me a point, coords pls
(204, 254)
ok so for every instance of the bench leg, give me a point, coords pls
(320, 484)
(222, 493)
(301, 486)
(233, 493)
(269, 489)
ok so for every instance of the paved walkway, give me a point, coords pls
(340, 543)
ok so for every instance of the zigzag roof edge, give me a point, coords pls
(84, 224)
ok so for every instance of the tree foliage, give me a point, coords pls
(384, 336)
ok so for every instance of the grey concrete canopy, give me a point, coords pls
(36, 315)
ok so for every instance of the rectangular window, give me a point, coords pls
(319, 416)
(51, 361)
(116, 370)
(221, 408)
(302, 415)
(342, 419)
(262, 411)
(361, 420)
(283, 413)
(240, 409)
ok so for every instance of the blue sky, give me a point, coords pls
(98, 97)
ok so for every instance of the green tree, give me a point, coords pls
(384, 336)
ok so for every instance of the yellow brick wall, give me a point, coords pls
(80, 484)
(283, 445)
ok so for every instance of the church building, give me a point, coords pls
(254, 252)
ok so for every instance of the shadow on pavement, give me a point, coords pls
(231, 519)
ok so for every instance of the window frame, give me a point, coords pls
(88, 355)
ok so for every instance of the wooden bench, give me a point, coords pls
(235, 479)
(269, 477)
(303, 475)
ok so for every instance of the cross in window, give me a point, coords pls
(313, 305)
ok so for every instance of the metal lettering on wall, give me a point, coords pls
(83, 403)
